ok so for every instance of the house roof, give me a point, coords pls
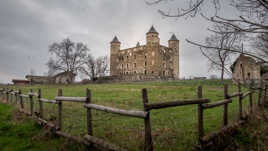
(20, 80)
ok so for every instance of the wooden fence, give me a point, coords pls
(90, 140)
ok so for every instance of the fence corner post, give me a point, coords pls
(89, 115)
(148, 135)
(200, 116)
(59, 119)
(39, 96)
(225, 106)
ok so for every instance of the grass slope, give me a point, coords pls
(172, 128)
(18, 133)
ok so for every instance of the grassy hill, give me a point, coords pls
(172, 128)
(19, 133)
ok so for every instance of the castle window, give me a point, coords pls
(163, 72)
(145, 63)
(134, 72)
(127, 65)
(152, 72)
(127, 57)
(134, 65)
(145, 72)
(122, 66)
(134, 56)
(145, 57)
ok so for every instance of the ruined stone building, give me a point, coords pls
(149, 61)
(246, 68)
(60, 78)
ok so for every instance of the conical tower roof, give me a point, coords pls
(152, 30)
(115, 40)
(138, 44)
(173, 37)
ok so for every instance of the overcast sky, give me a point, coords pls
(28, 27)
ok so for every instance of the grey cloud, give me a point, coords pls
(28, 27)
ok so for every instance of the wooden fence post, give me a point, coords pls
(11, 96)
(40, 103)
(260, 93)
(7, 97)
(16, 97)
(59, 119)
(31, 103)
(250, 101)
(200, 116)
(225, 106)
(89, 115)
(21, 100)
(240, 110)
(148, 136)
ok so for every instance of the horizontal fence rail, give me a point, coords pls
(175, 103)
(139, 114)
(89, 139)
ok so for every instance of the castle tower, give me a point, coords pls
(152, 37)
(173, 43)
(114, 51)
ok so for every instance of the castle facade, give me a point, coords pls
(151, 60)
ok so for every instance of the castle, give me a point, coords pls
(150, 61)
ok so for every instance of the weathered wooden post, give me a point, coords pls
(250, 101)
(59, 102)
(148, 136)
(200, 116)
(31, 102)
(21, 100)
(260, 93)
(16, 97)
(240, 110)
(225, 106)
(40, 103)
(7, 97)
(89, 115)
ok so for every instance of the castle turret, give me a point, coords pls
(152, 37)
(173, 43)
(114, 51)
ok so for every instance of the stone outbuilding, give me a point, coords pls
(246, 68)
(64, 78)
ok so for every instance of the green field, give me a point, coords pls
(19, 133)
(172, 128)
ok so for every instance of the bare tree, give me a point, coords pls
(252, 20)
(220, 59)
(95, 68)
(68, 56)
